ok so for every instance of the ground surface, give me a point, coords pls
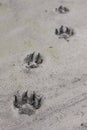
(29, 25)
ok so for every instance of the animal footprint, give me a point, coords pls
(64, 32)
(62, 9)
(33, 60)
(27, 104)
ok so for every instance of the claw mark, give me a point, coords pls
(35, 100)
(25, 97)
(16, 102)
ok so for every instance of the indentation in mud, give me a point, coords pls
(27, 104)
(26, 109)
(84, 125)
(64, 32)
(82, 79)
(75, 80)
(62, 9)
(35, 100)
(33, 60)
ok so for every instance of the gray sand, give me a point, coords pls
(27, 26)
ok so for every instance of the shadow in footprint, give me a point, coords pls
(27, 104)
(26, 109)
(62, 9)
(33, 60)
(64, 32)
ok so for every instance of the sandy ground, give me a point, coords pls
(27, 26)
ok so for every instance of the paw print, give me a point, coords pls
(27, 104)
(33, 60)
(64, 32)
(62, 9)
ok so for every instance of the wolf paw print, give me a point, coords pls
(64, 32)
(62, 9)
(33, 60)
(27, 104)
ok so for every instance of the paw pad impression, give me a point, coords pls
(62, 9)
(33, 60)
(27, 104)
(64, 32)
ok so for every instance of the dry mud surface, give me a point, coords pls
(27, 26)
